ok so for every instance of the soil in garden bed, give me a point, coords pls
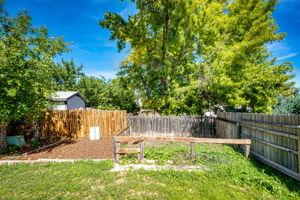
(81, 148)
(13, 151)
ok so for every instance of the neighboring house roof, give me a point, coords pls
(64, 96)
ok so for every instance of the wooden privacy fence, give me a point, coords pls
(275, 138)
(77, 123)
(140, 141)
(172, 126)
(28, 129)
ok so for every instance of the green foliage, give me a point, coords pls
(66, 75)
(35, 143)
(231, 177)
(91, 88)
(189, 55)
(10, 149)
(119, 96)
(224, 165)
(179, 154)
(107, 94)
(26, 61)
(288, 105)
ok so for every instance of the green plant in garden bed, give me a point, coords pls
(15, 149)
(10, 149)
(179, 154)
(230, 176)
(35, 143)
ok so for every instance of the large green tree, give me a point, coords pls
(26, 62)
(119, 96)
(190, 55)
(107, 94)
(288, 105)
(92, 88)
(66, 75)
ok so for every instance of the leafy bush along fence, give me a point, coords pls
(77, 123)
(275, 138)
(172, 126)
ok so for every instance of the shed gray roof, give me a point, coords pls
(64, 96)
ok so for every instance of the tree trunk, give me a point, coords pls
(3, 131)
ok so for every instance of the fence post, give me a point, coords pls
(299, 155)
(129, 124)
(116, 147)
(247, 150)
(141, 154)
(214, 126)
(192, 150)
(239, 130)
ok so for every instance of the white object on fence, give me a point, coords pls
(95, 133)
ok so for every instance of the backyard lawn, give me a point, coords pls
(228, 175)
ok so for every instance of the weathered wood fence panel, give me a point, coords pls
(77, 123)
(172, 126)
(275, 138)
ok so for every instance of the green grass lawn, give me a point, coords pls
(229, 176)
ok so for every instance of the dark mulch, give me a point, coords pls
(25, 148)
(75, 149)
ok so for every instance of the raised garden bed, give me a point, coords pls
(67, 149)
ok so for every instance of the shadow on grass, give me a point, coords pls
(290, 183)
(47, 146)
(50, 147)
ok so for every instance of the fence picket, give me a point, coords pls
(276, 138)
(172, 126)
(77, 123)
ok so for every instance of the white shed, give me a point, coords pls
(68, 101)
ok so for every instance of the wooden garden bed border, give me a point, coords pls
(140, 140)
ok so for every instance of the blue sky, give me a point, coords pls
(77, 22)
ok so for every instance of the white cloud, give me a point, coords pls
(109, 44)
(93, 17)
(287, 56)
(278, 48)
(83, 50)
(128, 10)
(281, 50)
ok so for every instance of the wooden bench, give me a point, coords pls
(140, 141)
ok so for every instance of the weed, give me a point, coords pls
(10, 149)
(34, 143)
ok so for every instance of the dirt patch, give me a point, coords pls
(75, 149)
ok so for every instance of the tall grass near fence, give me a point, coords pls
(275, 138)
